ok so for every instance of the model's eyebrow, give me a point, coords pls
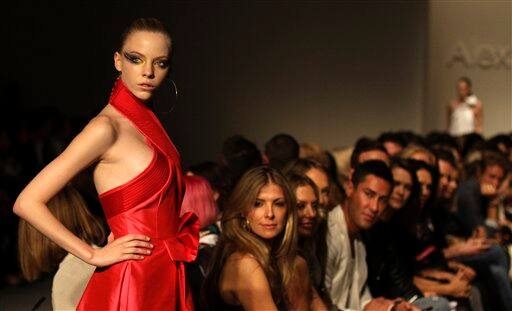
(135, 52)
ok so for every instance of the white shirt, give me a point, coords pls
(463, 117)
(346, 273)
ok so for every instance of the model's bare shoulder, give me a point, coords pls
(103, 127)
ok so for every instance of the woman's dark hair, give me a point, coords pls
(144, 24)
(425, 213)
(445, 155)
(407, 216)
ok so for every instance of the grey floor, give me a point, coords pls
(32, 296)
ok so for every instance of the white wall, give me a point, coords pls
(470, 38)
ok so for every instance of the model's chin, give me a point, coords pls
(143, 95)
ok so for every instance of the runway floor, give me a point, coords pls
(31, 296)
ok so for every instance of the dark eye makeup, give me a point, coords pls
(133, 58)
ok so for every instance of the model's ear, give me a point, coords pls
(117, 62)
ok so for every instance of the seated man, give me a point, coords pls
(477, 195)
(346, 270)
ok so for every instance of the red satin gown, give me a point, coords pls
(148, 204)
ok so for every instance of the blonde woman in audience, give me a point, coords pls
(255, 265)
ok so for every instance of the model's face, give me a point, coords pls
(367, 201)
(392, 148)
(267, 216)
(462, 89)
(425, 180)
(401, 189)
(319, 177)
(307, 204)
(377, 155)
(143, 62)
(493, 175)
(445, 188)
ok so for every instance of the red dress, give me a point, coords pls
(148, 204)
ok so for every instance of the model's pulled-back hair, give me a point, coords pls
(145, 24)
(277, 258)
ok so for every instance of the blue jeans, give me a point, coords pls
(492, 267)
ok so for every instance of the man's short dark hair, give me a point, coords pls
(240, 155)
(392, 137)
(436, 139)
(280, 150)
(364, 144)
(372, 167)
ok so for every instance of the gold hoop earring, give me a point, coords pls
(174, 97)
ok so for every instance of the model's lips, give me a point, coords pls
(146, 86)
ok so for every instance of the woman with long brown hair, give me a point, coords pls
(38, 254)
(255, 265)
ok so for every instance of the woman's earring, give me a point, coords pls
(246, 225)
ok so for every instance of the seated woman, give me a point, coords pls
(255, 264)
(308, 218)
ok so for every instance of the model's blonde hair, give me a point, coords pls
(277, 258)
(37, 253)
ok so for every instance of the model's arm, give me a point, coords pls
(251, 286)
(86, 148)
(479, 118)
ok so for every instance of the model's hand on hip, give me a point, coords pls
(128, 247)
